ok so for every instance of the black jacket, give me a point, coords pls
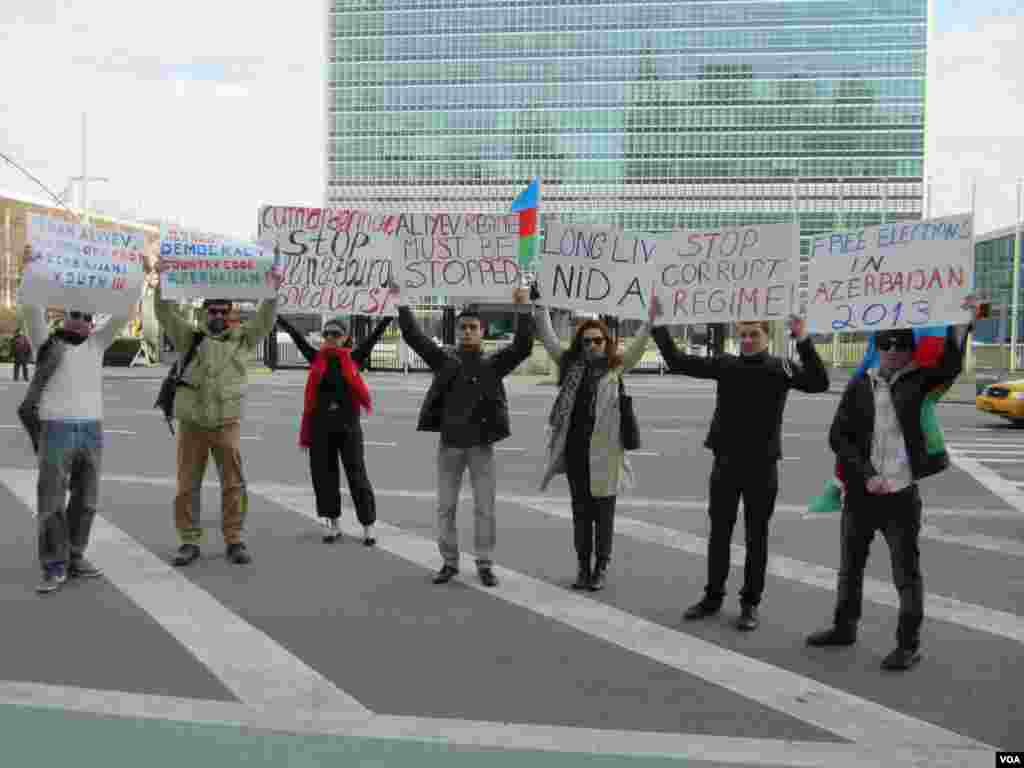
(853, 427)
(751, 395)
(332, 385)
(466, 401)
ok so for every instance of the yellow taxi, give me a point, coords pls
(1004, 398)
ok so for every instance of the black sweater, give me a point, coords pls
(751, 395)
(333, 390)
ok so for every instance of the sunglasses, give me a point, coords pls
(333, 334)
(86, 316)
(218, 311)
(885, 345)
(596, 341)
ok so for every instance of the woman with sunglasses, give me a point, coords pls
(331, 424)
(585, 440)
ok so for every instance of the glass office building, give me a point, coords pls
(993, 280)
(648, 115)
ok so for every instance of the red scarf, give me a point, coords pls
(356, 387)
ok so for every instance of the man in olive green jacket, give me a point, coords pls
(208, 406)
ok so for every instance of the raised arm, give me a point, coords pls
(431, 353)
(362, 353)
(172, 320)
(635, 351)
(810, 374)
(306, 349)
(682, 363)
(952, 362)
(508, 359)
(34, 318)
(260, 324)
(106, 334)
(547, 334)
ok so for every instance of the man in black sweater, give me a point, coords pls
(467, 404)
(746, 442)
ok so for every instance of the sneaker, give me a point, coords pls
(702, 610)
(833, 636)
(487, 577)
(187, 554)
(445, 574)
(368, 538)
(333, 531)
(747, 620)
(901, 659)
(81, 568)
(53, 579)
(238, 554)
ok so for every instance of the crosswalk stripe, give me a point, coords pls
(486, 735)
(841, 713)
(259, 671)
(989, 478)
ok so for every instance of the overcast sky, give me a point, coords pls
(203, 111)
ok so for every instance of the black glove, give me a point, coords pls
(534, 292)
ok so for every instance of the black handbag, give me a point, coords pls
(630, 430)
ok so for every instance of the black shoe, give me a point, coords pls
(369, 541)
(80, 568)
(598, 580)
(582, 577)
(901, 659)
(833, 636)
(187, 554)
(445, 574)
(238, 554)
(487, 577)
(702, 610)
(748, 620)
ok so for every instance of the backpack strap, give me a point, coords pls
(197, 339)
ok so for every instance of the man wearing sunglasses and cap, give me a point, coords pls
(882, 450)
(66, 398)
(209, 406)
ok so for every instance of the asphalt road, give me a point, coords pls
(317, 653)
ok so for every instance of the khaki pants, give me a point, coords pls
(194, 448)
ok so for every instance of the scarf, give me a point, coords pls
(564, 403)
(356, 387)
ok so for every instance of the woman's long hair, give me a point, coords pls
(575, 351)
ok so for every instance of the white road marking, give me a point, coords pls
(509, 448)
(841, 713)
(989, 478)
(975, 541)
(971, 615)
(379, 444)
(508, 736)
(119, 431)
(645, 453)
(251, 665)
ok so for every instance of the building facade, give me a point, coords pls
(993, 281)
(649, 115)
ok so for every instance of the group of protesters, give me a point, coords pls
(881, 449)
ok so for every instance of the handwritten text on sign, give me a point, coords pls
(338, 259)
(596, 269)
(468, 255)
(199, 264)
(82, 268)
(729, 275)
(890, 276)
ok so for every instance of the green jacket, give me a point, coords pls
(217, 377)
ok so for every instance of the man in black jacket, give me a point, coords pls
(878, 437)
(746, 442)
(467, 404)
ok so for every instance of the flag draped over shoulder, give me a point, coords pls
(929, 348)
(527, 205)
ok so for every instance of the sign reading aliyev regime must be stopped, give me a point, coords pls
(727, 275)
(897, 275)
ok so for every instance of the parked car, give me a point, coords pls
(1005, 399)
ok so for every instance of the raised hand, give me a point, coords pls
(655, 310)
(520, 296)
(797, 327)
(534, 292)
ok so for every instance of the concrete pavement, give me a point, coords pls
(393, 669)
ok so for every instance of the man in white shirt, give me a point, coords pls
(70, 440)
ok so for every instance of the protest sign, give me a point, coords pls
(89, 269)
(207, 265)
(898, 275)
(729, 275)
(596, 269)
(460, 255)
(337, 260)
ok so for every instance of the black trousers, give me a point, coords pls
(898, 517)
(593, 518)
(757, 483)
(23, 367)
(331, 441)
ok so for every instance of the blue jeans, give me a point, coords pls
(70, 454)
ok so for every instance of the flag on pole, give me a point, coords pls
(526, 205)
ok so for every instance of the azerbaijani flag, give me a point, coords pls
(526, 205)
(929, 347)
